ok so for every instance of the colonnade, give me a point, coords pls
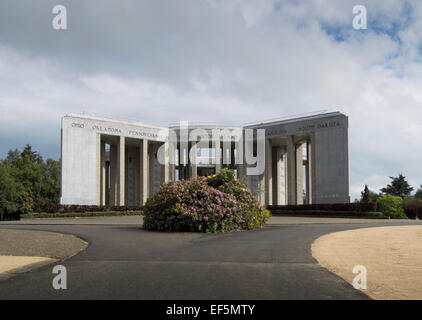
(128, 171)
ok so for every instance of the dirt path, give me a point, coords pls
(391, 255)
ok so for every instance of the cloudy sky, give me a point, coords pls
(230, 61)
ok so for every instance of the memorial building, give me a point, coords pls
(303, 160)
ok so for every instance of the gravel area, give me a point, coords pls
(39, 244)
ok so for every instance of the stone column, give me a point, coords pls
(283, 176)
(98, 168)
(182, 161)
(113, 175)
(179, 161)
(309, 172)
(107, 200)
(187, 168)
(121, 171)
(279, 176)
(172, 159)
(193, 162)
(241, 163)
(166, 161)
(103, 175)
(226, 155)
(144, 171)
(268, 173)
(276, 165)
(217, 156)
(299, 173)
(312, 166)
(291, 171)
(261, 189)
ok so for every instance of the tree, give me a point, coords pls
(8, 190)
(13, 196)
(37, 180)
(418, 193)
(398, 187)
(27, 169)
(51, 185)
(367, 195)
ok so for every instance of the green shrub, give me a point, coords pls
(391, 206)
(221, 178)
(215, 204)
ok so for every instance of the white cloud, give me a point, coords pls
(230, 61)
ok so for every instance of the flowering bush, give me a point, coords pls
(193, 205)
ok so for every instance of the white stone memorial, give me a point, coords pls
(112, 162)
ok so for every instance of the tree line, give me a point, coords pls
(397, 199)
(398, 187)
(26, 178)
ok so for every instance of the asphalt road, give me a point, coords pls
(126, 262)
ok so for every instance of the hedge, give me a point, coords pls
(332, 214)
(62, 208)
(413, 210)
(345, 207)
(79, 214)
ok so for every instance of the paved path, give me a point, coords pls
(126, 262)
